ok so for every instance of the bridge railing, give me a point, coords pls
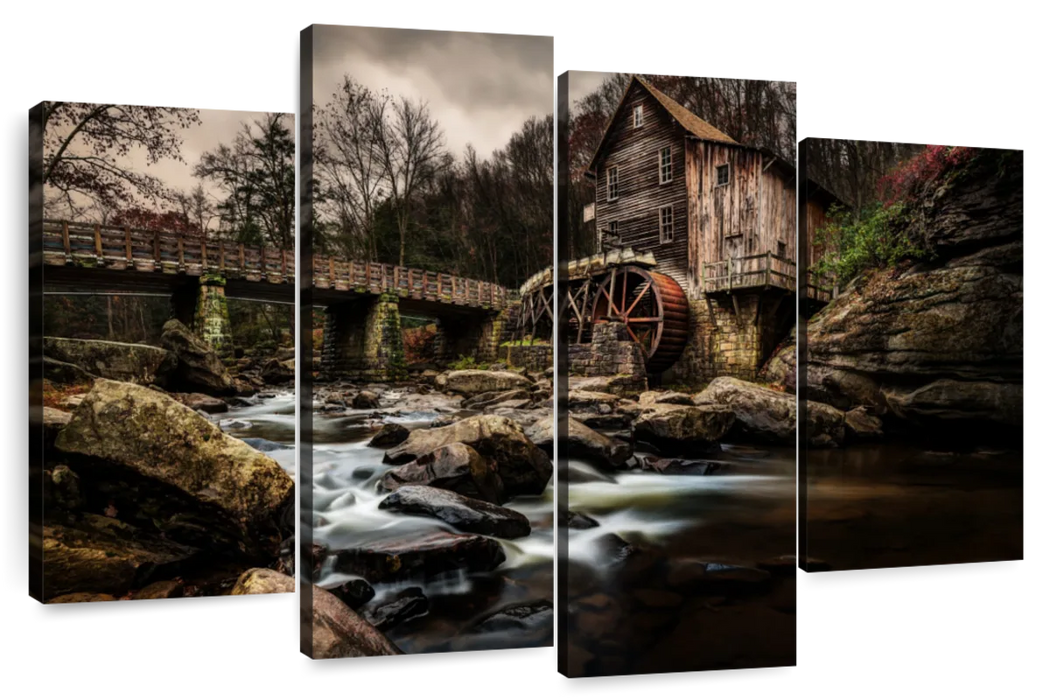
(748, 272)
(143, 250)
(382, 278)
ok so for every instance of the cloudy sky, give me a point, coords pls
(582, 82)
(480, 87)
(216, 127)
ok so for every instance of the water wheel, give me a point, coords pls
(653, 308)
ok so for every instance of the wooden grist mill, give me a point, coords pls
(622, 286)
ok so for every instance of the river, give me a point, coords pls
(347, 514)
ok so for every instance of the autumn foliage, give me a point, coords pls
(902, 184)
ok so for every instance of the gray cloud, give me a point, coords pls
(584, 82)
(480, 87)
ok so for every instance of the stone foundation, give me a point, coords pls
(362, 340)
(534, 358)
(211, 320)
(478, 337)
(732, 340)
(610, 353)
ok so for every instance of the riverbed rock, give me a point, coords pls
(861, 425)
(197, 366)
(276, 371)
(523, 468)
(531, 615)
(937, 345)
(160, 589)
(125, 362)
(407, 605)
(762, 415)
(339, 632)
(364, 400)
(494, 398)
(104, 555)
(697, 575)
(81, 598)
(689, 467)
(587, 444)
(677, 398)
(584, 401)
(62, 489)
(390, 435)
(825, 425)
(256, 581)
(202, 402)
(160, 459)
(780, 371)
(471, 382)
(53, 422)
(577, 521)
(59, 372)
(454, 467)
(423, 554)
(683, 430)
(463, 513)
(626, 387)
(582, 474)
(541, 433)
(355, 592)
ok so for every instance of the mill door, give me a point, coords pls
(733, 250)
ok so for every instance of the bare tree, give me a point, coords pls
(410, 147)
(85, 149)
(350, 167)
(197, 207)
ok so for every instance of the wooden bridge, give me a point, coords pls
(85, 256)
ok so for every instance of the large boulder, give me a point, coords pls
(463, 513)
(825, 425)
(125, 362)
(524, 468)
(424, 555)
(53, 422)
(59, 372)
(197, 366)
(585, 443)
(624, 386)
(762, 415)
(938, 344)
(683, 430)
(104, 555)
(155, 457)
(453, 467)
(334, 630)
(781, 370)
(470, 382)
(276, 371)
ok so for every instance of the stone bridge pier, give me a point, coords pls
(202, 307)
(363, 342)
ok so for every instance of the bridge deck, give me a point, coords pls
(750, 272)
(114, 258)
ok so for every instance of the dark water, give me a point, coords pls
(346, 514)
(869, 506)
(272, 419)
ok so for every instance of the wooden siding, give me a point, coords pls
(777, 209)
(636, 152)
(816, 217)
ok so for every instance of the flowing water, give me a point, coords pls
(347, 514)
(270, 417)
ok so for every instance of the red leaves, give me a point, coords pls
(904, 182)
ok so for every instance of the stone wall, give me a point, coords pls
(362, 340)
(478, 336)
(211, 320)
(610, 353)
(534, 358)
(732, 340)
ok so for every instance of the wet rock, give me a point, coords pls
(259, 581)
(160, 589)
(577, 521)
(530, 615)
(495, 398)
(825, 425)
(53, 421)
(264, 445)
(762, 415)
(276, 371)
(390, 435)
(523, 468)
(683, 466)
(696, 575)
(104, 555)
(625, 387)
(362, 473)
(354, 593)
(471, 382)
(138, 439)
(463, 513)
(339, 632)
(944, 401)
(125, 362)
(610, 422)
(861, 425)
(202, 402)
(63, 487)
(541, 433)
(364, 400)
(82, 598)
(683, 430)
(583, 401)
(676, 398)
(408, 605)
(614, 549)
(455, 467)
(588, 444)
(425, 555)
(197, 367)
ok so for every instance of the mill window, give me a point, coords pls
(667, 223)
(665, 165)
